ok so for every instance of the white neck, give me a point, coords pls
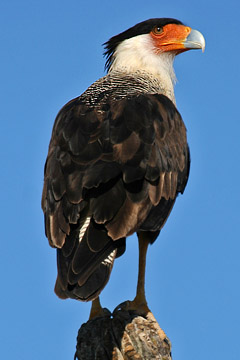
(138, 54)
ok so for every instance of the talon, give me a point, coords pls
(140, 308)
(123, 306)
(98, 311)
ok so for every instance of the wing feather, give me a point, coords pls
(121, 163)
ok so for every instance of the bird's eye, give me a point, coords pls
(158, 30)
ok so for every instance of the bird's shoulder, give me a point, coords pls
(112, 100)
(137, 135)
(135, 146)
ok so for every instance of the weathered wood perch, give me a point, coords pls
(122, 335)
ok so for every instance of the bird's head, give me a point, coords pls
(151, 46)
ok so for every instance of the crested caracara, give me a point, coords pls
(117, 160)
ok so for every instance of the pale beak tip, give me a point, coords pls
(195, 40)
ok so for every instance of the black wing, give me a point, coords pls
(111, 170)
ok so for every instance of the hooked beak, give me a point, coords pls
(194, 40)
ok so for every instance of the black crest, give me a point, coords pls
(143, 27)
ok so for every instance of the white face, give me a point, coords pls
(138, 54)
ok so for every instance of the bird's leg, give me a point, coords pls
(96, 309)
(139, 304)
(140, 301)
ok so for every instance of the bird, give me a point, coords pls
(117, 159)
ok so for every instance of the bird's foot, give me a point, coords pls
(140, 308)
(98, 311)
(137, 307)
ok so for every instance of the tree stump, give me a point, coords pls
(122, 335)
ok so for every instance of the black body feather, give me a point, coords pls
(119, 162)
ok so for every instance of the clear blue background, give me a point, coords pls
(51, 52)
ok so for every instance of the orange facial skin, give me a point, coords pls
(170, 37)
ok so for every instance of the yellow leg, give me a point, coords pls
(140, 303)
(96, 309)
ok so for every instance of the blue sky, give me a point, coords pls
(51, 52)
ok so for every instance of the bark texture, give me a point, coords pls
(122, 335)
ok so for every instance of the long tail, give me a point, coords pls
(85, 261)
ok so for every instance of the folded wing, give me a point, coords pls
(112, 169)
